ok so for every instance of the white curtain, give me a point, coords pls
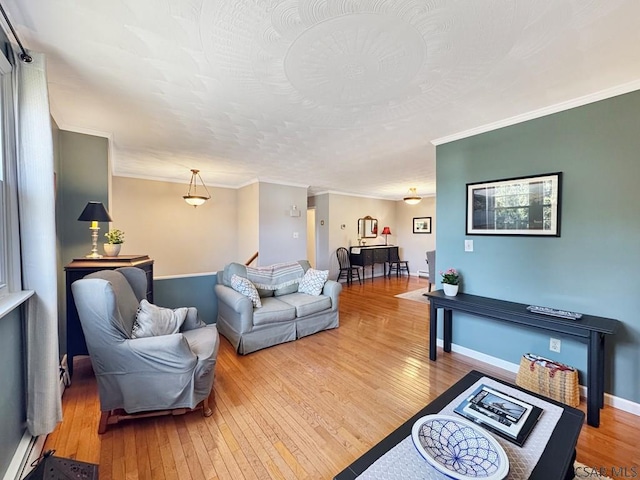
(36, 207)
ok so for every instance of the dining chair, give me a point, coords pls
(395, 264)
(346, 269)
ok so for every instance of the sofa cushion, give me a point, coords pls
(246, 288)
(153, 321)
(306, 304)
(273, 310)
(293, 288)
(313, 281)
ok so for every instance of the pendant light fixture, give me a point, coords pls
(192, 197)
(412, 197)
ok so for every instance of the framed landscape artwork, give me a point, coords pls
(515, 206)
(421, 224)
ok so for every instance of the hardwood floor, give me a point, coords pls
(304, 409)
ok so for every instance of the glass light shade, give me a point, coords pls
(194, 199)
(412, 198)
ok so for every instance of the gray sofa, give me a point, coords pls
(285, 315)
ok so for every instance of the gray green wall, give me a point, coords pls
(592, 268)
(82, 176)
(12, 399)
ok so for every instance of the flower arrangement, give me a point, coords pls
(115, 236)
(451, 277)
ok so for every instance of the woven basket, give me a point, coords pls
(551, 379)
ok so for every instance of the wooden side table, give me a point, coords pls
(79, 268)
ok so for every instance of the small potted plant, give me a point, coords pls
(115, 239)
(450, 282)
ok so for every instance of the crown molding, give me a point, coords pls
(542, 112)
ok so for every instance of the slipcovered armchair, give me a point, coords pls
(142, 375)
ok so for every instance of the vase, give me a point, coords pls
(450, 290)
(112, 249)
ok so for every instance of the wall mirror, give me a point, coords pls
(367, 227)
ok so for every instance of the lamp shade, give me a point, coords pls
(386, 231)
(95, 212)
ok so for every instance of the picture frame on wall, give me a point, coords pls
(421, 224)
(515, 206)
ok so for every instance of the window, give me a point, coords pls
(3, 225)
(5, 116)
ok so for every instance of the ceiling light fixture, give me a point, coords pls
(412, 197)
(193, 198)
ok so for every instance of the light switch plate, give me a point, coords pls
(468, 245)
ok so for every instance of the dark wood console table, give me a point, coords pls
(589, 329)
(370, 255)
(77, 269)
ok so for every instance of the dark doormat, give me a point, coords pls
(58, 468)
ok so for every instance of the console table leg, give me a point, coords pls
(433, 331)
(448, 315)
(595, 379)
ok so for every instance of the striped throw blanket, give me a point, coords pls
(275, 276)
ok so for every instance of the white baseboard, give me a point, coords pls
(30, 448)
(615, 402)
(28, 451)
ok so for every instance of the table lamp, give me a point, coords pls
(94, 212)
(386, 231)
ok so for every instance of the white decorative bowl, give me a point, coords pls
(459, 449)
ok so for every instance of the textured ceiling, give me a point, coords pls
(340, 95)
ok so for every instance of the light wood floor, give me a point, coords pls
(304, 409)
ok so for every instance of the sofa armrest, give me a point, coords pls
(332, 289)
(234, 308)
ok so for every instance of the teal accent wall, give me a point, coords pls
(592, 268)
(12, 399)
(82, 176)
(196, 291)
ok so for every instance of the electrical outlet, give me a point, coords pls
(554, 345)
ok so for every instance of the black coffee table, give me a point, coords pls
(556, 461)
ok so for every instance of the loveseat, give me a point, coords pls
(281, 313)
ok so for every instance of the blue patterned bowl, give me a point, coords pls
(459, 448)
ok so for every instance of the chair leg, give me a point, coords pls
(206, 410)
(104, 420)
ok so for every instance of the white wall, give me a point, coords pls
(336, 210)
(248, 222)
(277, 227)
(180, 238)
(413, 246)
